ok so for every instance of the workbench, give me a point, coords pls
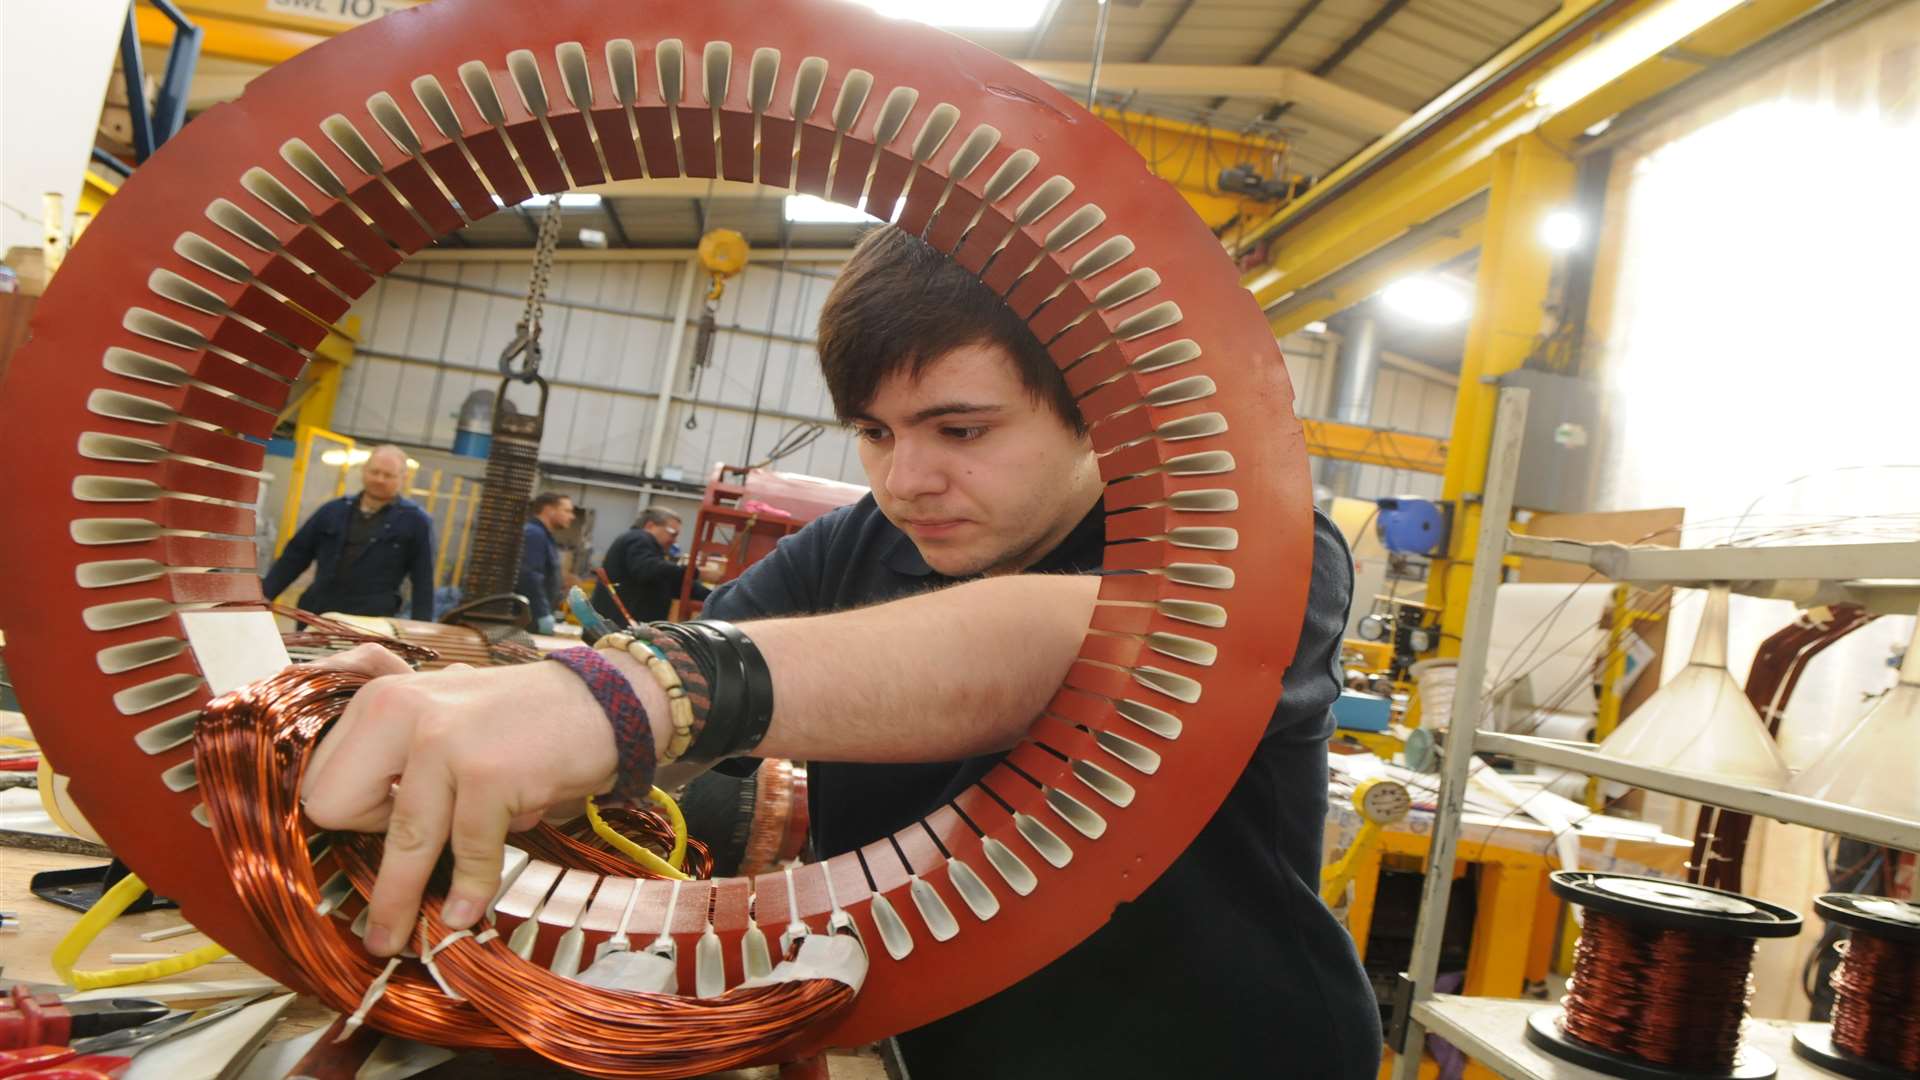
(1515, 855)
(1517, 916)
(24, 955)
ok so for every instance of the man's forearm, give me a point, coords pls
(936, 677)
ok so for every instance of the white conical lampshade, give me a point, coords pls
(1876, 765)
(1702, 723)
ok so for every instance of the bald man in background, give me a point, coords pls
(362, 547)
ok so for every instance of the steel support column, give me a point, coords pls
(670, 368)
(1529, 179)
(1355, 370)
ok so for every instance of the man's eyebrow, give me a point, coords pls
(932, 412)
(952, 408)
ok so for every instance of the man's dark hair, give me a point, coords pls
(898, 305)
(546, 499)
(654, 515)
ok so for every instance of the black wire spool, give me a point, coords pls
(1660, 980)
(1875, 1033)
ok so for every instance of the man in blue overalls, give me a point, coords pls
(362, 547)
(541, 574)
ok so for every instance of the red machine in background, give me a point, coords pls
(745, 512)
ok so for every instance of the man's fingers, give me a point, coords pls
(348, 776)
(416, 833)
(372, 660)
(480, 822)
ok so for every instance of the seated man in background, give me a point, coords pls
(362, 547)
(641, 570)
(540, 581)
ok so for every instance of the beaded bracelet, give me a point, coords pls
(679, 706)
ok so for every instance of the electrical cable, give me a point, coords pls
(666, 868)
(109, 907)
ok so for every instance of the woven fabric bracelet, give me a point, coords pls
(680, 706)
(632, 733)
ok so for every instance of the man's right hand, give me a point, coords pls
(462, 755)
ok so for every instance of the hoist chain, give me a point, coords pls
(526, 336)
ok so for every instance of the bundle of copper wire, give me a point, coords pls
(319, 633)
(1875, 990)
(251, 749)
(1666, 995)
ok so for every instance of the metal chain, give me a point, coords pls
(526, 338)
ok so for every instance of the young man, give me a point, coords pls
(362, 547)
(1228, 965)
(540, 556)
(642, 572)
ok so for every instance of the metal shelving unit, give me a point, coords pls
(1883, 577)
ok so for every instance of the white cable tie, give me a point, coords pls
(427, 955)
(491, 933)
(664, 944)
(374, 990)
(839, 921)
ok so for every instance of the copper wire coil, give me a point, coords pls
(1669, 996)
(1876, 988)
(461, 644)
(251, 748)
(779, 828)
(616, 1033)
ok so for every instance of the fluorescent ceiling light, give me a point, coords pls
(1562, 230)
(1429, 300)
(593, 238)
(1315, 327)
(972, 14)
(355, 456)
(1626, 48)
(569, 200)
(814, 210)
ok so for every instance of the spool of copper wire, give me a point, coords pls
(1661, 977)
(1875, 1033)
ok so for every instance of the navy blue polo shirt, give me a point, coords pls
(1228, 965)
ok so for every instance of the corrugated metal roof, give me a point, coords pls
(1401, 53)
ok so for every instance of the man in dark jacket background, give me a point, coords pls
(642, 570)
(362, 547)
(540, 576)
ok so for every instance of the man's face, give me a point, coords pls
(559, 515)
(666, 532)
(382, 475)
(981, 475)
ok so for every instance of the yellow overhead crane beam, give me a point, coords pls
(1188, 156)
(1375, 446)
(1479, 167)
(1443, 155)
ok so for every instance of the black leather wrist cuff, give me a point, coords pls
(741, 684)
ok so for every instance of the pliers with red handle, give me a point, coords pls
(103, 1057)
(34, 1019)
